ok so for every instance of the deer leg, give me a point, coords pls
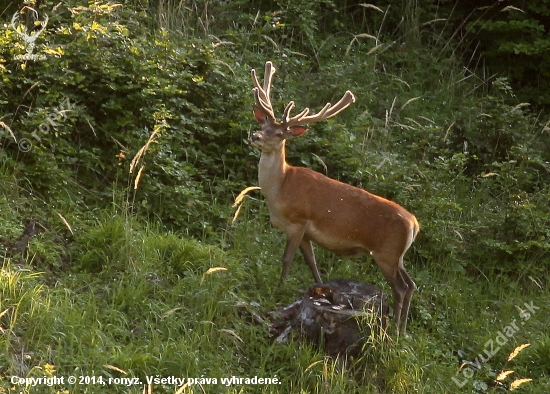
(407, 298)
(293, 239)
(309, 256)
(400, 287)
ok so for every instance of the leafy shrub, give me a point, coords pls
(513, 40)
(416, 133)
(121, 82)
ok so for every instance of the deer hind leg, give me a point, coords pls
(399, 282)
(407, 279)
(408, 295)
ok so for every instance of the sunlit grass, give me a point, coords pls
(172, 313)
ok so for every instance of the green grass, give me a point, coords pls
(120, 295)
(148, 306)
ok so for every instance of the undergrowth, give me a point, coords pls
(164, 305)
(119, 259)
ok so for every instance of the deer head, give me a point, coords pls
(274, 133)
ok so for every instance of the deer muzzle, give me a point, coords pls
(255, 140)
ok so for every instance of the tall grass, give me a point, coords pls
(167, 315)
(124, 297)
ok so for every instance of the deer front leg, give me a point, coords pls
(294, 237)
(309, 256)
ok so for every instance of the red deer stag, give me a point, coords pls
(308, 206)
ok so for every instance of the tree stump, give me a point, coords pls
(337, 315)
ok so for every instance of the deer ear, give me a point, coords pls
(260, 115)
(296, 131)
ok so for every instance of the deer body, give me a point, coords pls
(310, 207)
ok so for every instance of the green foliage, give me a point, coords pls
(109, 83)
(513, 40)
(127, 310)
(137, 116)
(103, 247)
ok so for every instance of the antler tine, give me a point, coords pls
(328, 111)
(258, 96)
(268, 76)
(262, 94)
(286, 116)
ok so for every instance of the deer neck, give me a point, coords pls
(272, 171)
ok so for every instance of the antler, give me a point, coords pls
(261, 95)
(328, 111)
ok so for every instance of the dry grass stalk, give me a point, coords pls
(518, 382)
(517, 350)
(65, 222)
(371, 6)
(7, 128)
(4, 312)
(149, 389)
(115, 368)
(139, 155)
(138, 177)
(212, 270)
(142, 151)
(231, 332)
(503, 375)
(170, 312)
(182, 389)
(239, 200)
(410, 101)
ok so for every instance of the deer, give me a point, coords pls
(310, 207)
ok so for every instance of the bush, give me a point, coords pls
(109, 83)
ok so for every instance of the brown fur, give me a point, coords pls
(310, 207)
